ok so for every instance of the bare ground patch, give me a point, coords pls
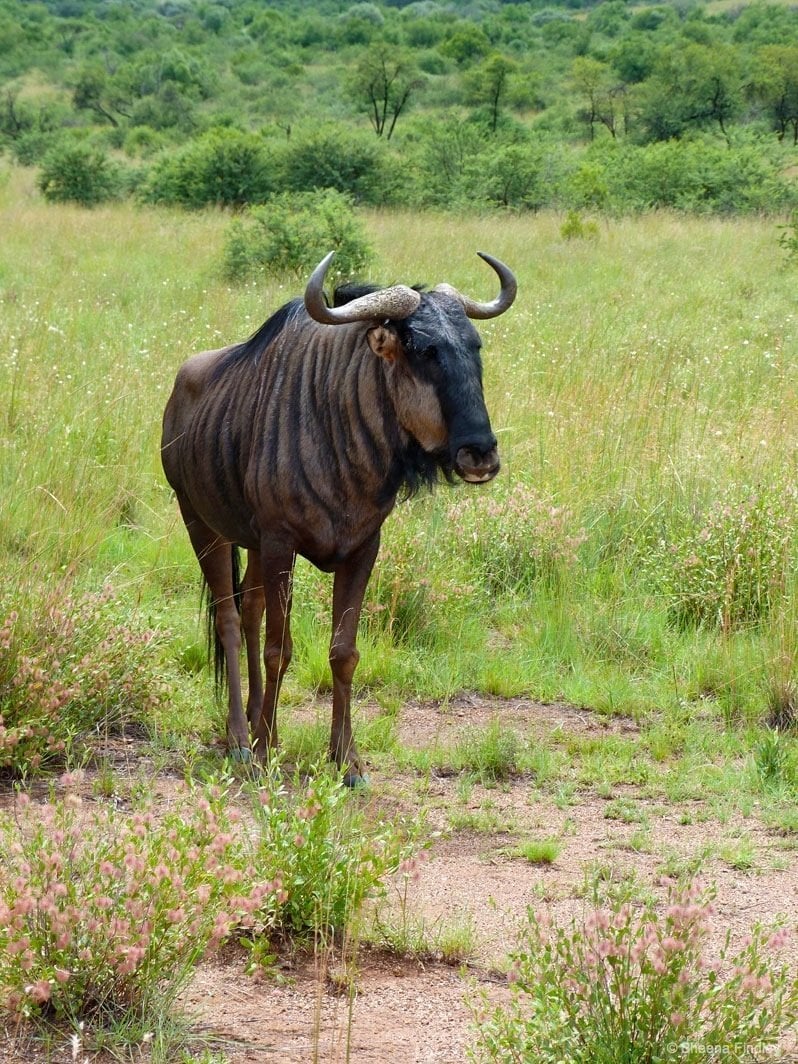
(406, 1010)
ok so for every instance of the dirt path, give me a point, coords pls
(403, 1010)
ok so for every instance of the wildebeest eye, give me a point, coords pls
(431, 353)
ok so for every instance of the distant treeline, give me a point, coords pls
(426, 104)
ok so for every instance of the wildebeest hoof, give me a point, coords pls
(354, 780)
(240, 753)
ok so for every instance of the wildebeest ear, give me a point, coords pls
(384, 342)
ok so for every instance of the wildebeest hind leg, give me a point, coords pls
(348, 591)
(277, 570)
(252, 606)
(214, 554)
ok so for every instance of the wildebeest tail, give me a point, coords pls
(214, 643)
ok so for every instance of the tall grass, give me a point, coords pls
(644, 380)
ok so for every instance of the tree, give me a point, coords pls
(691, 86)
(489, 83)
(95, 91)
(383, 83)
(604, 96)
(465, 44)
(774, 84)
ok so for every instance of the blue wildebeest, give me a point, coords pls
(298, 441)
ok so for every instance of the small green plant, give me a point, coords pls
(788, 238)
(772, 759)
(492, 753)
(329, 856)
(631, 984)
(486, 820)
(538, 851)
(104, 915)
(575, 227)
(402, 930)
(626, 810)
(292, 233)
(739, 854)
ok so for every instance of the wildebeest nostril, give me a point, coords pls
(475, 464)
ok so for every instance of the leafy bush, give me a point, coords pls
(635, 985)
(334, 157)
(31, 147)
(78, 173)
(224, 167)
(728, 565)
(699, 175)
(103, 914)
(66, 665)
(292, 233)
(317, 841)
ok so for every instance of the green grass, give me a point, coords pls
(641, 379)
(538, 851)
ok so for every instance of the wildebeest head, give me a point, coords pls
(433, 356)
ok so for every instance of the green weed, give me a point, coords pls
(330, 856)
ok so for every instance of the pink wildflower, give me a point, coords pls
(40, 991)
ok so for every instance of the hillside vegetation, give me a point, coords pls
(524, 105)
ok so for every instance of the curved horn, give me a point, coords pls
(504, 300)
(395, 303)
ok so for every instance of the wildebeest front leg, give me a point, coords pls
(252, 605)
(348, 590)
(277, 574)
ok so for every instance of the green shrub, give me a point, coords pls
(575, 227)
(292, 233)
(79, 173)
(630, 984)
(67, 666)
(224, 167)
(699, 175)
(493, 753)
(31, 147)
(333, 157)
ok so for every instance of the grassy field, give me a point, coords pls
(636, 555)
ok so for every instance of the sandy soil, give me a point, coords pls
(405, 1010)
